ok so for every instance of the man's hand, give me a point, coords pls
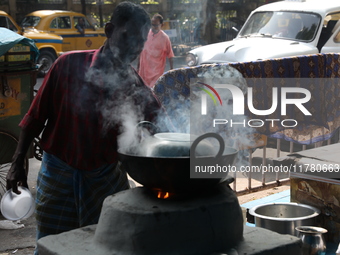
(16, 176)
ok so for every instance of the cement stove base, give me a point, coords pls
(257, 241)
(136, 222)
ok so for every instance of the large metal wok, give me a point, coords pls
(172, 173)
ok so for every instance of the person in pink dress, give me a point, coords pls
(152, 60)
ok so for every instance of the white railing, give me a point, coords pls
(247, 182)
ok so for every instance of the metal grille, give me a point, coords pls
(250, 182)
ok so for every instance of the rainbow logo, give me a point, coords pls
(208, 91)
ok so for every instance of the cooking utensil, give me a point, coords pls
(312, 239)
(170, 174)
(284, 217)
(167, 164)
(173, 144)
(17, 207)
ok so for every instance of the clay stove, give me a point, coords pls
(172, 214)
(196, 224)
(137, 222)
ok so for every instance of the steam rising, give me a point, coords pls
(219, 74)
(123, 102)
(238, 136)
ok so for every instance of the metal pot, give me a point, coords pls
(166, 161)
(173, 144)
(313, 242)
(283, 218)
(177, 145)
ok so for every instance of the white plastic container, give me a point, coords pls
(17, 207)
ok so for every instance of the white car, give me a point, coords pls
(280, 29)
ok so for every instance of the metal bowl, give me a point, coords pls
(283, 218)
(17, 207)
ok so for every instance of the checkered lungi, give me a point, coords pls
(68, 198)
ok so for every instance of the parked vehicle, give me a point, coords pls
(281, 29)
(55, 32)
(49, 45)
(63, 23)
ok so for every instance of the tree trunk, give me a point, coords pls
(209, 21)
(83, 7)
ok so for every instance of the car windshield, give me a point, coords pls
(300, 26)
(30, 21)
(7, 23)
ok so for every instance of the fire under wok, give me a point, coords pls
(172, 160)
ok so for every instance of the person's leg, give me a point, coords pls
(93, 187)
(68, 198)
(55, 206)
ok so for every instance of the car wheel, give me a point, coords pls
(45, 60)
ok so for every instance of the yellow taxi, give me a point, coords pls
(8, 22)
(64, 24)
(49, 45)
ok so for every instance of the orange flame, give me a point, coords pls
(163, 194)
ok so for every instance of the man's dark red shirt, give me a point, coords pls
(81, 106)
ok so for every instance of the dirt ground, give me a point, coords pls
(26, 251)
(260, 194)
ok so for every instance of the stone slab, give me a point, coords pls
(257, 241)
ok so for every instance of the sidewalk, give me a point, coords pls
(21, 241)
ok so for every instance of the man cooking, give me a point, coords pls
(80, 110)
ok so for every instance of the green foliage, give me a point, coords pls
(95, 16)
(143, 2)
(150, 2)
